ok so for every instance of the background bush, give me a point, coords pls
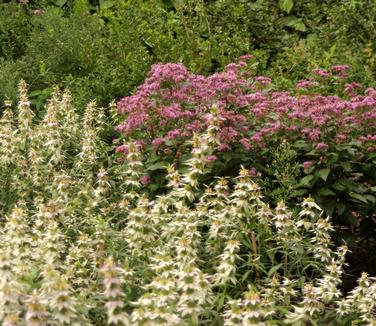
(104, 49)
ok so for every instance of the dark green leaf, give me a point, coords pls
(358, 197)
(325, 192)
(158, 166)
(295, 23)
(339, 186)
(60, 3)
(323, 173)
(370, 198)
(306, 181)
(300, 192)
(346, 166)
(301, 144)
(274, 269)
(351, 219)
(341, 208)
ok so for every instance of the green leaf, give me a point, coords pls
(346, 166)
(184, 169)
(341, 208)
(370, 198)
(221, 301)
(323, 173)
(245, 276)
(162, 165)
(301, 144)
(352, 220)
(60, 3)
(277, 191)
(286, 5)
(306, 181)
(358, 197)
(274, 269)
(153, 187)
(295, 23)
(325, 192)
(105, 4)
(299, 192)
(339, 186)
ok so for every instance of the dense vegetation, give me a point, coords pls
(104, 49)
(84, 243)
(223, 171)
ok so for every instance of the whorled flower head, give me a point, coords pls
(227, 264)
(252, 310)
(322, 240)
(25, 114)
(8, 143)
(58, 296)
(113, 294)
(36, 314)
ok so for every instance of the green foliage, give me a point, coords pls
(13, 71)
(103, 49)
(284, 171)
(14, 30)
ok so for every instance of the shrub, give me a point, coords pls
(90, 46)
(14, 30)
(305, 141)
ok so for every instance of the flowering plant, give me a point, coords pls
(332, 138)
(83, 243)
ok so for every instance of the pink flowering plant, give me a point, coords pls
(332, 137)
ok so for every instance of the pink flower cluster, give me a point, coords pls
(172, 104)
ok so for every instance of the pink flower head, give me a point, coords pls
(349, 88)
(321, 146)
(305, 84)
(145, 180)
(321, 72)
(362, 139)
(122, 149)
(245, 143)
(314, 135)
(223, 147)
(307, 165)
(262, 80)
(370, 92)
(339, 68)
(340, 137)
(174, 133)
(140, 144)
(254, 173)
(158, 141)
(256, 137)
(211, 158)
(247, 57)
